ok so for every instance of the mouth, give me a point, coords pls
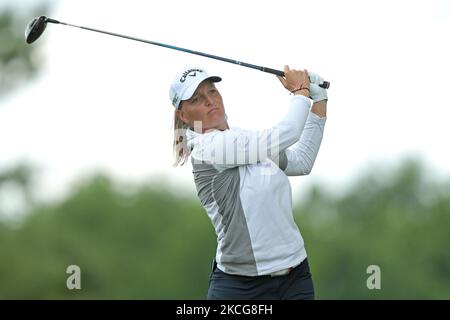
(213, 110)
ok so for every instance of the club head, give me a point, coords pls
(35, 28)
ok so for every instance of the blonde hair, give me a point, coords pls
(181, 151)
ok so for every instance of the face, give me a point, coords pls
(205, 105)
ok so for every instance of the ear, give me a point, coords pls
(182, 116)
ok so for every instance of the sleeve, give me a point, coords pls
(299, 158)
(236, 147)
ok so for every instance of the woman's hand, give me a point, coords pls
(296, 81)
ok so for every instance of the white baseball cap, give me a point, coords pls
(186, 82)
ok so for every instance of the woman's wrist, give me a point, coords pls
(301, 91)
(320, 108)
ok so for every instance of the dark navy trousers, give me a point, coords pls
(297, 285)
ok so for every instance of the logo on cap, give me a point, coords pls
(175, 99)
(187, 73)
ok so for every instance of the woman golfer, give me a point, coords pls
(241, 180)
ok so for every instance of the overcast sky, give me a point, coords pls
(102, 103)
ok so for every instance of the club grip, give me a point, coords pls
(280, 73)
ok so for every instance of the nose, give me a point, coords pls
(209, 101)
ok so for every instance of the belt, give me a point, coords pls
(284, 272)
(278, 273)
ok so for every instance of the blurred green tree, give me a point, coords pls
(395, 219)
(19, 62)
(129, 245)
(148, 242)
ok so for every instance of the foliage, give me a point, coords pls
(145, 242)
(396, 220)
(19, 62)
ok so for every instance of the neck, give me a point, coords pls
(221, 127)
(224, 126)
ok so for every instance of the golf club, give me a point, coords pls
(37, 26)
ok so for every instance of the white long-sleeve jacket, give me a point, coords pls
(241, 180)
